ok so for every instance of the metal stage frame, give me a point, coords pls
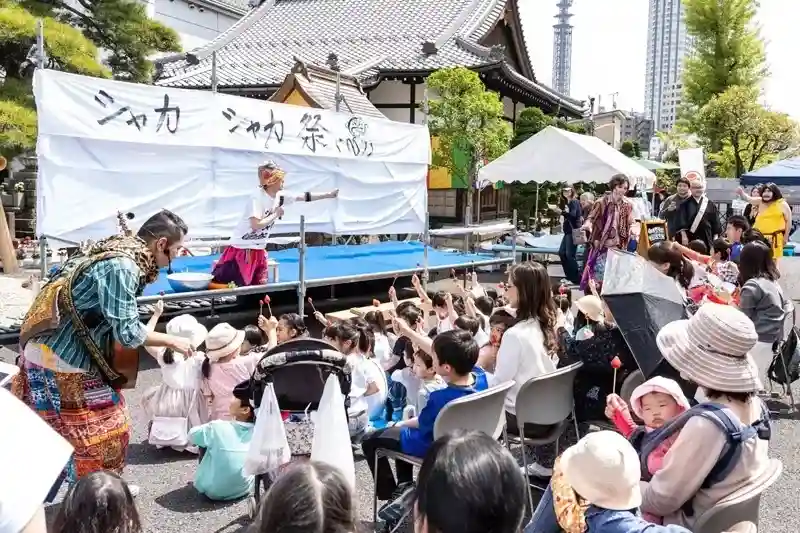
(302, 284)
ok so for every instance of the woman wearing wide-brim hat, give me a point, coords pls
(711, 349)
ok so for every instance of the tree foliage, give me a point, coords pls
(727, 51)
(532, 120)
(465, 117)
(631, 148)
(121, 26)
(752, 135)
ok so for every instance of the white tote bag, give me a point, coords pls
(331, 434)
(269, 448)
(172, 430)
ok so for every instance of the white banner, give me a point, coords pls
(692, 165)
(106, 146)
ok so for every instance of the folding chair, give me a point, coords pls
(480, 411)
(546, 400)
(738, 513)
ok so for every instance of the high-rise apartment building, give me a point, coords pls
(668, 44)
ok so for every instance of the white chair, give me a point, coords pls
(546, 401)
(480, 411)
(738, 513)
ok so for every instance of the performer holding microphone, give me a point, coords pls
(244, 262)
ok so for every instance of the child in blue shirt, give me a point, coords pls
(454, 355)
(219, 475)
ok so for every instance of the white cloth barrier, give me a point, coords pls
(106, 146)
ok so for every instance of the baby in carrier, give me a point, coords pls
(656, 402)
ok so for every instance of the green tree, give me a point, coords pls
(751, 134)
(123, 29)
(627, 148)
(530, 121)
(466, 118)
(120, 26)
(727, 52)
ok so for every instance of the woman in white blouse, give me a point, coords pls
(528, 347)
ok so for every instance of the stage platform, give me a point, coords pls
(341, 261)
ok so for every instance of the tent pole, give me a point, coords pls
(301, 268)
(426, 244)
(536, 212)
(514, 238)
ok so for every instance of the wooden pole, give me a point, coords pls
(7, 254)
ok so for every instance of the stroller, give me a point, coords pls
(298, 370)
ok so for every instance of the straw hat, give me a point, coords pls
(711, 348)
(187, 327)
(603, 468)
(592, 307)
(658, 384)
(222, 341)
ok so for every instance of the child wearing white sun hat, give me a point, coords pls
(176, 401)
(603, 470)
(224, 368)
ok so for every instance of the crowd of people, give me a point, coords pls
(669, 461)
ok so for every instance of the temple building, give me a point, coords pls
(382, 50)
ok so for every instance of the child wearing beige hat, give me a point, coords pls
(603, 471)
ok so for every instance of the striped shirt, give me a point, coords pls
(108, 288)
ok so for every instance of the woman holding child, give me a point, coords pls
(711, 349)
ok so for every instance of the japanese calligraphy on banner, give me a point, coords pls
(94, 108)
(106, 146)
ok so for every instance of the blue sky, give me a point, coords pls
(610, 39)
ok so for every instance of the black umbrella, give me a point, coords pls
(642, 301)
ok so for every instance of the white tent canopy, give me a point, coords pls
(559, 156)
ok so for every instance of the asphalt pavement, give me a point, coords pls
(169, 504)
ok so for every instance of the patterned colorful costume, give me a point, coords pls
(65, 377)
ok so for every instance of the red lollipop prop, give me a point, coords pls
(376, 303)
(616, 364)
(311, 303)
(266, 302)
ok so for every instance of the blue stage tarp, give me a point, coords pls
(782, 173)
(334, 261)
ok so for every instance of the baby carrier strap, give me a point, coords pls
(736, 433)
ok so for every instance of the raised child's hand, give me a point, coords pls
(392, 293)
(159, 308)
(614, 403)
(415, 280)
(320, 318)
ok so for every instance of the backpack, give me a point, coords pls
(785, 366)
(722, 417)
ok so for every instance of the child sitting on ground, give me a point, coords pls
(225, 366)
(454, 354)
(178, 395)
(655, 402)
(219, 475)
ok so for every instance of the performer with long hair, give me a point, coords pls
(244, 262)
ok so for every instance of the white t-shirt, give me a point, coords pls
(25, 483)
(259, 205)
